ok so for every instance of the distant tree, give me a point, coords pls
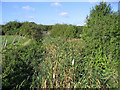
(79, 31)
(42, 27)
(1, 32)
(11, 28)
(67, 31)
(58, 30)
(0, 29)
(30, 29)
(49, 27)
(70, 32)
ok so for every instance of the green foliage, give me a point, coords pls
(57, 62)
(58, 30)
(10, 39)
(19, 65)
(67, 31)
(45, 27)
(1, 31)
(11, 28)
(79, 31)
(70, 31)
(101, 30)
(30, 29)
(97, 72)
(57, 68)
(101, 38)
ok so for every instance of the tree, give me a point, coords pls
(11, 28)
(79, 30)
(30, 29)
(64, 30)
(99, 27)
(102, 39)
(58, 30)
(70, 32)
(20, 64)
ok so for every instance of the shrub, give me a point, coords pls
(101, 38)
(66, 31)
(19, 65)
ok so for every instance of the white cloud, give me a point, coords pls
(63, 14)
(28, 8)
(30, 17)
(56, 4)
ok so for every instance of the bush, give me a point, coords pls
(101, 37)
(11, 28)
(66, 31)
(19, 65)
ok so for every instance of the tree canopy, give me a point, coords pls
(101, 29)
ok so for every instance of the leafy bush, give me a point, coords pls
(30, 29)
(11, 28)
(101, 30)
(19, 65)
(101, 38)
(66, 31)
(1, 31)
(96, 72)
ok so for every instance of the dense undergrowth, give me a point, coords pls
(19, 64)
(66, 59)
(64, 66)
(58, 63)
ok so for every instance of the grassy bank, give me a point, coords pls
(11, 39)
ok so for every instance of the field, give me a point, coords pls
(60, 58)
(56, 63)
(11, 39)
(62, 55)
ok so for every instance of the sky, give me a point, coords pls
(49, 13)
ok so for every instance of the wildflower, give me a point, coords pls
(68, 85)
(99, 86)
(73, 62)
(53, 75)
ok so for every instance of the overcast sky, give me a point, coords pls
(49, 13)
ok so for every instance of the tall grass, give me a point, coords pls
(64, 66)
(57, 63)
(10, 39)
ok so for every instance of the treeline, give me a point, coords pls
(29, 29)
(15, 27)
(32, 29)
(67, 31)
